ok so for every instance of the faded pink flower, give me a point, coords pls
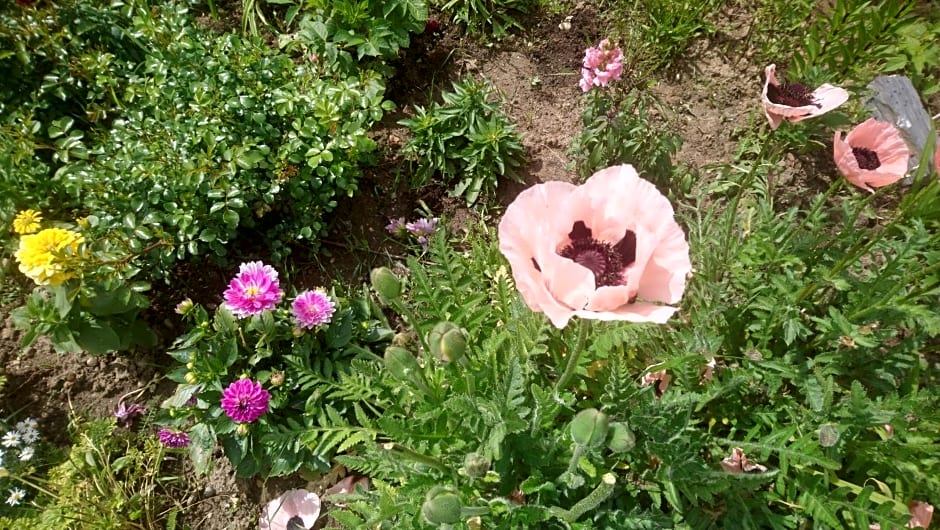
(936, 160)
(312, 308)
(921, 514)
(245, 401)
(293, 510)
(608, 249)
(872, 155)
(738, 463)
(346, 486)
(602, 64)
(254, 289)
(662, 377)
(794, 102)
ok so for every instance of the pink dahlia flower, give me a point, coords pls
(601, 65)
(172, 438)
(609, 249)
(245, 401)
(254, 289)
(312, 308)
(794, 102)
(872, 155)
(293, 510)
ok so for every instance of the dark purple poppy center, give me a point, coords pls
(296, 523)
(790, 94)
(606, 261)
(866, 158)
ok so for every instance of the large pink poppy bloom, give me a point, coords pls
(294, 509)
(794, 102)
(921, 514)
(872, 155)
(609, 249)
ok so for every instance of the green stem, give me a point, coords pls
(599, 495)
(574, 355)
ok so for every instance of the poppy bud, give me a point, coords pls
(475, 465)
(386, 285)
(621, 438)
(403, 366)
(589, 428)
(441, 506)
(447, 341)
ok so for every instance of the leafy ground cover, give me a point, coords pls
(517, 264)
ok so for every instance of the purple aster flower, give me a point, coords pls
(127, 414)
(172, 438)
(254, 289)
(245, 401)
(422, 227)
(312, 308)
(397, 227)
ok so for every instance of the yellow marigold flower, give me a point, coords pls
(41, 256)
(27, 221)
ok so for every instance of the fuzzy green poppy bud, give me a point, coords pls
(475, 465)
(386, 285)
(589, 428)
(447, 341)
(441, 506)
(621, 438)
(401, 364)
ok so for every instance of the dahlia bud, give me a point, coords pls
(191, 378)
(441, 506)
(386, 285)
(475, 465)
(184, 307)
(447, 341)
(621, 438)
(277, 378)
(242, 429)
(589, 428)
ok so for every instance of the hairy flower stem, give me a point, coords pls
(574, 355)
(599, 495)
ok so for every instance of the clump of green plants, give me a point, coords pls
(488, 18)
(108, 479)
(255, 377)
(466, 142)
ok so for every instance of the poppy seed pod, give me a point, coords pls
(447, 341)
(386, 285)
(621, 438)
(589, 428)
(441, 506)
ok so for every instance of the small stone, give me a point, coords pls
(208, 491)
(91, 361)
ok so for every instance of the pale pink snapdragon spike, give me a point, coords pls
(602, 64)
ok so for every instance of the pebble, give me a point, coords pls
(208, 491)
(91, 361)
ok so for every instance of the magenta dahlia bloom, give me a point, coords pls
(312, 308)
(172, 438)
(245, 401)
(253, 290)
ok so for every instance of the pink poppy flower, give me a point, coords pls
(661, 377)
(294, 509)
(254, 290)
(794, 102)
(872, 155)
(608, 249)
(936, 160)
(921, 514)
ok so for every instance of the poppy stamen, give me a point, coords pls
(791, 95)
(607, 262)
(866, 158)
